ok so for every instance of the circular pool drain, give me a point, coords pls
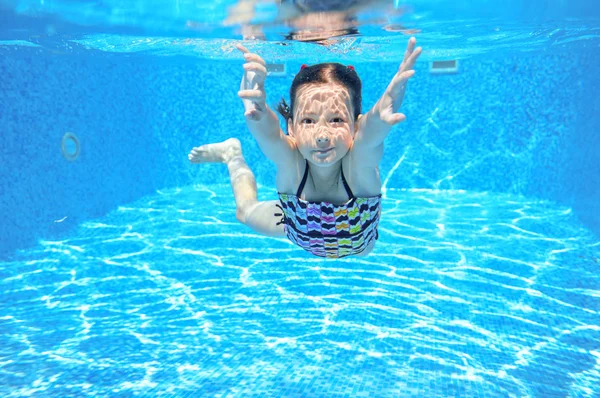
(70, 146)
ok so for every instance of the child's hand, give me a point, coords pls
(252, 89)
(391, 100)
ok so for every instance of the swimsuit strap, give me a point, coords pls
(348, 190)
(301, 186)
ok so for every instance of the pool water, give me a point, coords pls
(123, 269)
(465, 294)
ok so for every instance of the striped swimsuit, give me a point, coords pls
(328, 230)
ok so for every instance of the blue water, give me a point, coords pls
(124, 272)
(466, 294)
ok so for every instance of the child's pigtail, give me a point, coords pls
(284, 109)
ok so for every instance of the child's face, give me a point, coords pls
(323, 125)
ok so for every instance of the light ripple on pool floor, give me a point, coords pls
(465, 294)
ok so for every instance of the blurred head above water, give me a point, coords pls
(372, 30)
(309, 20)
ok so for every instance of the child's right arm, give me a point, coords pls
(262, 120)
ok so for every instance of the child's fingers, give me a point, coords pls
(406, 74)
(400, 80)
(249, 94)
(413, 58)
(242, 48)
(253, 114)
(409, 48)
(410, 58)
(256, 68)
(394, 118)
(252, 95)
(403, 76)
(251, 57)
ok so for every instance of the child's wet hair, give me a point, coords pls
(323, 74)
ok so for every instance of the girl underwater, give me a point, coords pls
(327, 165)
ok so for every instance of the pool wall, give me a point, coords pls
(520, 124)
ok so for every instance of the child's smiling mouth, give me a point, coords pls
(322, 151)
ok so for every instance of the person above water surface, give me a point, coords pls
(316, 21)
(327, 163)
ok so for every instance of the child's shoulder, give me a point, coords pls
(289, 173)
(362, 176)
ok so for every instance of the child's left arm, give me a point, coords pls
(374, 126)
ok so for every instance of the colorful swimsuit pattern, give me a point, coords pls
(329, 230)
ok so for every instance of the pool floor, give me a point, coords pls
(466, 294)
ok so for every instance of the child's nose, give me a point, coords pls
(322, 138)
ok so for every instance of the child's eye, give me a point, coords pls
(337, 120)
(307, 121)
